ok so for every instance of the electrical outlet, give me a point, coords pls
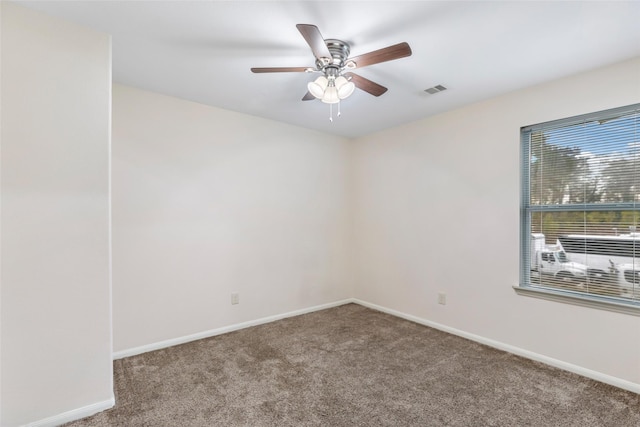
(442, 298)
(235, 298)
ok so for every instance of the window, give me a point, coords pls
(581, 202)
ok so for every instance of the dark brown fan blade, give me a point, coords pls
(314, 39)
(280, 70)
(390, 53)
(308, 97)
(366, 85)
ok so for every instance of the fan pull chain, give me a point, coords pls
(331, 111)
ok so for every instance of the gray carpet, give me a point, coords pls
(352, 366)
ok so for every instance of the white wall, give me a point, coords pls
(56, 326)
(437, 210)
(207, 202)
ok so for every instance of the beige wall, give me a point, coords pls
(437, 210)
(56, 316)
(207, 202)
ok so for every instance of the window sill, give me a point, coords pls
(567, 297)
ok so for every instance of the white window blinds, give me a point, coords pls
(580, 231)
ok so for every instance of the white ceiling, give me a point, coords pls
(203, 50)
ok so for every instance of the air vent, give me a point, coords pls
(435, 89)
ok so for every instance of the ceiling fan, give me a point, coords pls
(332, 61)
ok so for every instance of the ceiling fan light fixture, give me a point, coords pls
(332, 60)
(331, 95)
(318, 86)
(345, 87)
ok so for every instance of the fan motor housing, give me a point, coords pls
(339, 51)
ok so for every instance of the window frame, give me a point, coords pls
(525, 288)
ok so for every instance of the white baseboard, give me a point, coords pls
(225, 329)
(75, 414)
(598, 376)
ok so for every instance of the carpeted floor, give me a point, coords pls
(352, 366)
